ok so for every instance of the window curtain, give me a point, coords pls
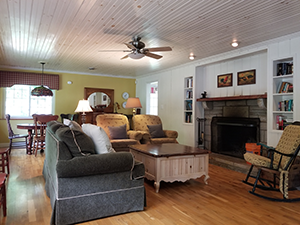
(8, 79)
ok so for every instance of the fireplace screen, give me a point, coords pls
(230, 134)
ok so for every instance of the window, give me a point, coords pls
(19, 102)
(153, 98)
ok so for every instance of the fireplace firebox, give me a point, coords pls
(229, 134)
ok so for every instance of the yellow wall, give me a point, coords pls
(66, 99)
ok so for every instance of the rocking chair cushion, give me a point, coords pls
(258, 160)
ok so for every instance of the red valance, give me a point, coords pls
(9, 78)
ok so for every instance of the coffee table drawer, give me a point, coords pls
(148, 161)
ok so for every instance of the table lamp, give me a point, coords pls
(83, 106)
(135, 104)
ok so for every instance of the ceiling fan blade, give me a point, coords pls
(130, 46)
(114, 51)
(125, 57)
(159, 49)
(154, 56)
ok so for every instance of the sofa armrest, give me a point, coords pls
(146, 137)
(138, 171)
(171, 133)
(136, 135)
(95, 164)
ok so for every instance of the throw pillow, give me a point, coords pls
(118, 132)
(156, 131)
(54, 125)
(66, 121)
(78, 142)
(99, 137)
(75, 126)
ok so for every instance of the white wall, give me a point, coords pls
(205, 72)
(170, 100)
(257, 61)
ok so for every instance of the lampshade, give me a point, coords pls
(41, 90)
(83, 106)
(133, 103)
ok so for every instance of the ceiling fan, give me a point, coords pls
(138, 50)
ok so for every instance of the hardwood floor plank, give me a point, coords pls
(225, 200)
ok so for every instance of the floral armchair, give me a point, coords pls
(118, 130)
(153, 133)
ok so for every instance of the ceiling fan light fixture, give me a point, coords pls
(192, 57)
(235, 44)
(136, 55)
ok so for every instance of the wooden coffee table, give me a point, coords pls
(171, 162)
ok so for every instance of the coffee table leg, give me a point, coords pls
(156, 185)
(205, 179)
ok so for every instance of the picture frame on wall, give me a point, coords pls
(246, 77)
(225, 80)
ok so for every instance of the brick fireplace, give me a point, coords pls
(248, 109)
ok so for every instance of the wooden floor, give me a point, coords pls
(225, 200)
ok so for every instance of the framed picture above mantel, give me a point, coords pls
(246, 77)
(225, 80)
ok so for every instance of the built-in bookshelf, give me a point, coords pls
(188, 100)
(283, 93)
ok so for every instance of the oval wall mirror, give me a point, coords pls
(100, 99)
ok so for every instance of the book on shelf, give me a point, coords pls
(285, 87)
(189, 105)
(290, 88)
(286, 105)
(189, 94)
(189, 82)
(284, 68)
(188, 117)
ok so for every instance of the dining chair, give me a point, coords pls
(3, 193)
(40, 121)
(12, 135)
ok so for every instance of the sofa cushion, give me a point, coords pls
(163, 140)
(156, 131)
(77, 141)
(118, 132)
(99, 137)
(141, 121)
(118, 143)
(95, 164)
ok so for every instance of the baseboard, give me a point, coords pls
(4, 145)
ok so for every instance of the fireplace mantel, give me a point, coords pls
(229, 98)
(259, 98)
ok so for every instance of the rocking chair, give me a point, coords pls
(278, 163)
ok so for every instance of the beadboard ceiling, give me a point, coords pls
(68, 34)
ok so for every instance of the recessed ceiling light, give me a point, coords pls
(235, 44)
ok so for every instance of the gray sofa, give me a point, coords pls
(87, 185)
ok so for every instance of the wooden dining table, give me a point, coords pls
(29, 127)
